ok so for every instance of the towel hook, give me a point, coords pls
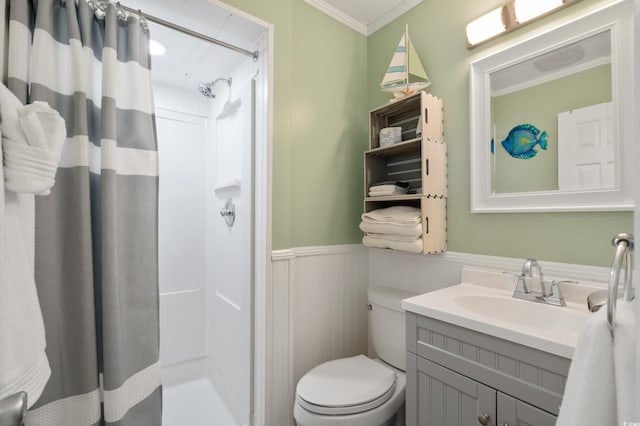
(624, 246)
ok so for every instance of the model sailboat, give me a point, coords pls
(405, 74)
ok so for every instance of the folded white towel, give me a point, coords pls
(32, 139)
(414, 246)
(389, 228)
(394, 237)
(590, 393)
(401, 215)
(387, 193)
(624, 361)
(387, 188)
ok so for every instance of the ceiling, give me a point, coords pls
(572, 58)
(189, 60)
(364, 16)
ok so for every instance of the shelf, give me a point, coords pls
(410, 145)
(420, 160)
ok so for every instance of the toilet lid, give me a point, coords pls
(347, 385)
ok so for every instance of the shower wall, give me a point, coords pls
(182, 123)
(206, 272)
(230, 317)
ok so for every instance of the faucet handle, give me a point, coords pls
(555, 296)
(521, 285)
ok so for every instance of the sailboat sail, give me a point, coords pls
(415, 67)
(404, 65)
(397, 70)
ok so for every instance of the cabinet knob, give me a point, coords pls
(484, 419)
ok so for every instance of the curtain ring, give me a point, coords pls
(143, 21)
(122, 14)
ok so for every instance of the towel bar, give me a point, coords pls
(624, 246)
(13, 409)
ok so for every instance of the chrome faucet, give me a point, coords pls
(531, 275)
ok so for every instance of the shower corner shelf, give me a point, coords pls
(420, 159)
(228, 185)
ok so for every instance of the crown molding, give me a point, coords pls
(392, 14)
(359, 26)
(339, 15)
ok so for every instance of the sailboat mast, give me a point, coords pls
(406, 56)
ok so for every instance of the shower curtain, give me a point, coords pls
(96, 233)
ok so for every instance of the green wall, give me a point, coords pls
(437, 28)
(320, 124)
(326, 80)
(540, 105)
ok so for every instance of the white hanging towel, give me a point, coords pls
(590, 393)
(32, 138)
(624, 362)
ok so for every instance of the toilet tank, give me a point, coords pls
(387, 324)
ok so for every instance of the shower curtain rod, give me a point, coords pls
(187, 31)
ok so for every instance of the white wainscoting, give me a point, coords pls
(318, 297)
(318, 313)
(420, 274)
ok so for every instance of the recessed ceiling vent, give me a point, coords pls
(559, 58)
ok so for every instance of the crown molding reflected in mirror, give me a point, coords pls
(612, 23)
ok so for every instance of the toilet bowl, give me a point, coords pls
(360, 391)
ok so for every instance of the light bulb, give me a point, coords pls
(527, 10)
(485, 27)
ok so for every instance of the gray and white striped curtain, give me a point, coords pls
(96, 233)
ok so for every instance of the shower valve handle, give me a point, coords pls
(228, 212)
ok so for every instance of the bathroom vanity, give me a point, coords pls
(456, 376)
(478, 356)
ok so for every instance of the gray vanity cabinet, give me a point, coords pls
(513, 412)
(443, 397)
(459, 377)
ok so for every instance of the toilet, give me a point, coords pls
(360, 391)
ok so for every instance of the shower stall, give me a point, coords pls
(210, 118)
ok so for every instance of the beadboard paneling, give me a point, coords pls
(319, 308)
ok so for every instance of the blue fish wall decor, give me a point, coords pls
(522, 139)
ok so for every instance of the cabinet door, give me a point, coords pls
(513, 412)
(437, 396)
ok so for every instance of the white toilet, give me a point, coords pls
(360, 391)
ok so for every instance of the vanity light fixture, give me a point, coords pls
(487, 26)
(527, 10)
(509, 17)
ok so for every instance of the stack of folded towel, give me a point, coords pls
(388, 188)
(397, 227)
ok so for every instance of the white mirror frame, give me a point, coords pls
(616, 17)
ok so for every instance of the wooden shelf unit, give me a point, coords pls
(420, 159)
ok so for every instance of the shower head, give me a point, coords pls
(207, 88)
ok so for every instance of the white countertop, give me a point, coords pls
(491, 309)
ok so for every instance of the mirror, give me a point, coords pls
(551, 119)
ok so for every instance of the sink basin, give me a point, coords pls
(526, 314)
(495, 312)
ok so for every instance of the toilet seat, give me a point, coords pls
(346, 386)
